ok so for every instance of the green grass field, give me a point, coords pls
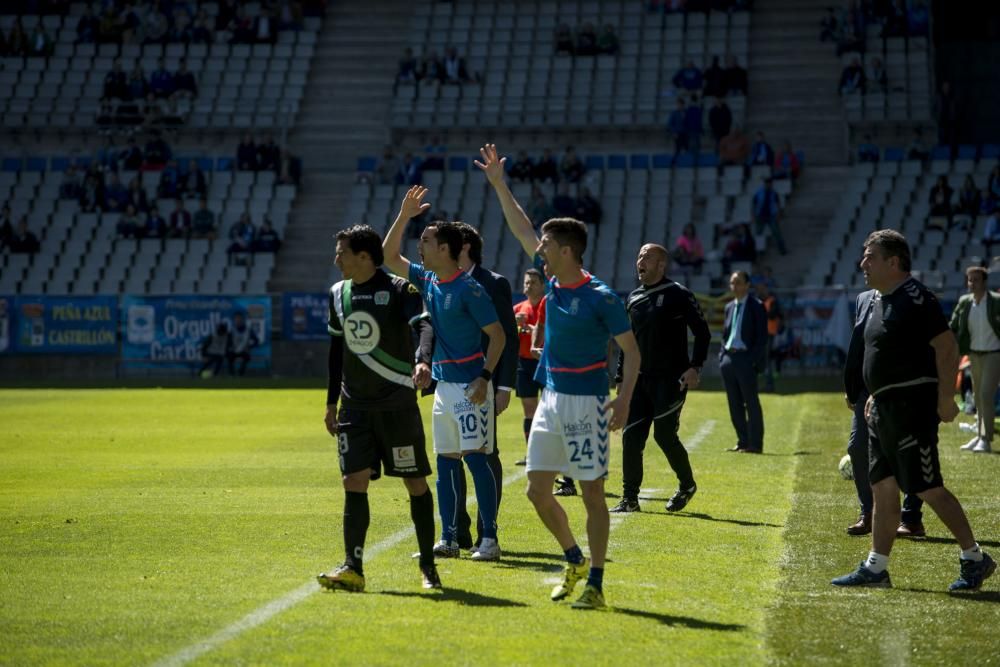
(165, 527)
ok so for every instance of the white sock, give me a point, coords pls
(876, 563)
(972, 553)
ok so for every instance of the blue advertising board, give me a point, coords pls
(63, 325)
(168, 331)
(304, 316)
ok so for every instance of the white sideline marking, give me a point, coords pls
(265, 613)
(703, 432)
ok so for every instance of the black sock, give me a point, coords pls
(422, 513)
(527, 428)
(356, 518)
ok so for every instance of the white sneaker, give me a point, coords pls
(983, 447)
(971, 444)
(488, 550)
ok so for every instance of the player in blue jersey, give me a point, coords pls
(569, 432)
(464, 411)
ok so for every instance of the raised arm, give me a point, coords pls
(517, 219)
(411, 207)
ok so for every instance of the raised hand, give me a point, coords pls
(492, 165)
(413, 205)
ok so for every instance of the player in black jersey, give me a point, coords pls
(373, 321)
(910, 359)
(661, 312)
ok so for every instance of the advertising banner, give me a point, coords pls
(61, 325)
(304, 316)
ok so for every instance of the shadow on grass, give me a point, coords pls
(685, 621)
(457, 595)
(946, 540)
(533, 554)
(708, 517)
(973, 596)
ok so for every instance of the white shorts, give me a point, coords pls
(458, 424)
(569, 434)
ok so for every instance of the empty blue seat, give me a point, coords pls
(639, 161)
(37, 164)
(967, 152)
(224, 164)
(893, 154)
(801, 155)
(990, 151)
(594, 162)
(616, 162)
(366, 163)
(684, 160)
(941, 153)
(206, 164)
(12, 164)
(59, 163)
(663, 161)
(458, 163)
(708, 160)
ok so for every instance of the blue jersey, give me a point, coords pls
(579, 320)
(459, 308)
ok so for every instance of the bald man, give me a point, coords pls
(661, 312)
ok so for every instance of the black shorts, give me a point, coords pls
(903, 438)
(526, 386)
(393, 441)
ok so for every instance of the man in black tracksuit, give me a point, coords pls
(661, 312)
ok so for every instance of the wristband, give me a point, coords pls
(486, 375)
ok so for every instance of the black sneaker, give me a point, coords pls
(680, 499)
(430, 576)
(973, 573)
(626, 505)
(565, 489)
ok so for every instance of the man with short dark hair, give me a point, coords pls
(744, 347)
(526, 315)
(464, 410)
(373, 321)
(911, 358)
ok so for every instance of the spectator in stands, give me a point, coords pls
(761, 152)
(193, 184)
(267, 239)
(940, 201)
(130, 156)
(969, 203)
(241, 236)
(185, 84)
(180, 220)
(829, 27)
(948, 115)
(156, 225)
(289, 15)
(115, 195)
(734, 148)
(214, 350)
(92, 193)
(736, 77)
(688, 251)
(523, 169)
(6, 224)
(693, 127)
(169, 186)
(432, 69)
(918, 19)
(434, 155)
(225, 15)
(689, 78)
(868, 151)
(246, 154)
(107, 155)
(17, 42)
(765, 210)
(137, 195)
(586, 40)
(268, 154)
(3, 52)
(23, 241)
(917, 150)
(588, 209)
(715, 80)
(546, 168)
(137, 86)
(851, 39)
(564, 203)
(116, 83)
(991, 234)
(539, 208)
(87, 27)
(453, 65)
(161, 82)
(896, 20)
(70, 186)
(129, 225)
(607, 42)
(155, 26)
(876, 80)
(289, 169)
(786, 163)
(564, 40)
(571, 169)
(388, 167)
(407, 70)
(41, 42)
(265, 28)
(242, 340)
(241, 27)
(180, 30)
(720, 120)
(157, 152)
(852, 78)
(203, 222)
(676, 127)
(994, 182)
(987, 202)
(409, 171)
(740, 248)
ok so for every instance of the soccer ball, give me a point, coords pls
(845, 467)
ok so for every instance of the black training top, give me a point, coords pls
(661, 315)
(897, 338)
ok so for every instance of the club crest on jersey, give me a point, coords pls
(381, 298)
(574, 306)
(403, 457)
(659, 300)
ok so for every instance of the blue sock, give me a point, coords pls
(596, 578)
(447, 492)
(574, 555)
(486, 492)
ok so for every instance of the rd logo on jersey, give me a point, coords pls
(361, 332)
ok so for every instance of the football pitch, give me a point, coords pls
(173, 526)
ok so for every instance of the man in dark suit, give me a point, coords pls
(504, 376)
(744, 352)
(856, 394)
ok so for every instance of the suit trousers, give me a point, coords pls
(740, 380)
